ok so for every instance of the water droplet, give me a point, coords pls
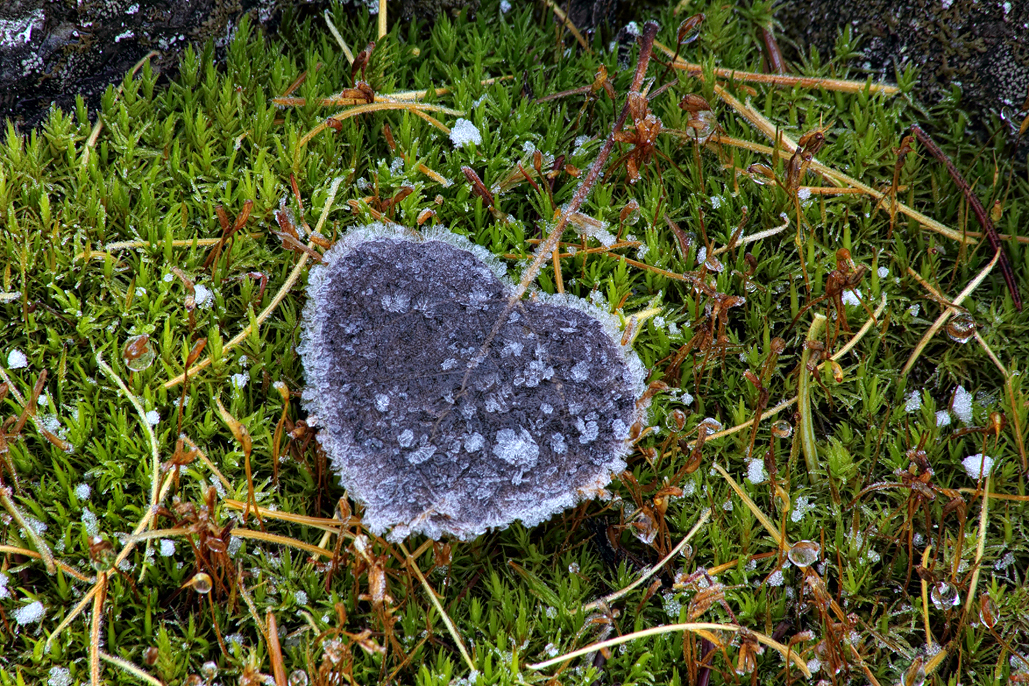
(209, 670)
(644, 527)
(987, 611)
(945, 596)
(761, 174)
(915, 676)
(675, 420)
(961, 328)
(298, 678)
(201, 583)
(804, 553)
(573, 568)
(139, 353)
(782, 429)
(689, 29)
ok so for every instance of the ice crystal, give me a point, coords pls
(462, 410)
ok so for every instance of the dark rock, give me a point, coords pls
(982, 46)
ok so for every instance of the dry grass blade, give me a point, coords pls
(694, 627)
(752, 506)
(559, 13)
(266, 312)
(1019, 441)
(94, 629)
(948, 313)
(373, 107)
(44, 550)
(130, 668)
(842, 85)
(766, 127)
(70, 571)
(275, 651)
(281, 540)
(333, 526)
(651, 571)
(412, 564)
(980, 547)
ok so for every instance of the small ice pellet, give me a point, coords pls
(166, 547)
(152, 417)
(16, 360)
(83, 491)
(239, 381)
(883, 272)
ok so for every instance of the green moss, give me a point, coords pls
(165, 159)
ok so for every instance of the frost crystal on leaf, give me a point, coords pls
(462, 410)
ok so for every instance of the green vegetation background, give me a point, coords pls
(166, 157)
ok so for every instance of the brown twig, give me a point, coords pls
(977, 208)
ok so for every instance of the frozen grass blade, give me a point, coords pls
(752, 506)
(840, 85)
(412, 564)
(43, 549)
(694, 627)
(705, 515)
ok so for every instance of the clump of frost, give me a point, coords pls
(16, 360)
(883, 272)
(914, 402)
(239, 381)
(464, 132)
(59, 676)
(29, 614)
(202, 296)
(153, 417)
(4, 591)
(83, 491)
(851, 297)
(801, 506)
(756, 473)
(505, 6)
(942, 418)
(962, 405)
(978, 466)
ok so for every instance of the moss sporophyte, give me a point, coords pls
(567, 366)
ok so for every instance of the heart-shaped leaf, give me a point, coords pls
(446, 406)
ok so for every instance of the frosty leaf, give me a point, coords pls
(437, 432)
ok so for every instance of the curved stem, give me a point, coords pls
(807, 425)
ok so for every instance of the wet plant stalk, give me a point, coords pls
(807, 425)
